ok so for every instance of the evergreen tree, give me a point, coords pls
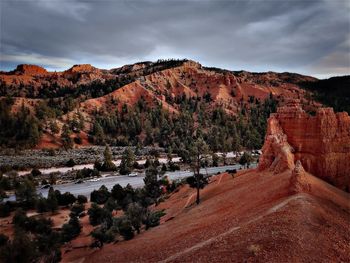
(152, 185)
(54, 127)
(135, 213)
(67, 141)
(26, 193)
(127, 162)
(108, 164)
(99, 135)
(215, 160)
(52, 202)
(198, 153)
(245, 159)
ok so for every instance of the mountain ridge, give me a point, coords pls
(88, 93)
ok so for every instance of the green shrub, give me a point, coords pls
(71, 229)
(135, 213)
(111, 204)
(102, 235)
(70, 163)
(65, 199)
(82, 199)
(20, 249)
(124, 227)
(20, 218)
(152, 219)
(5, 209)
(100, 196)
(41, 205)
(76, 210)
(35, 172)
(97, 215)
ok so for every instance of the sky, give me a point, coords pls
(310, 37)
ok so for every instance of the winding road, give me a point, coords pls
(88, 186)
(109, 181)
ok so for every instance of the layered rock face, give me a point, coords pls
(321, 143)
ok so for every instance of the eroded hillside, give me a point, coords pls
(85, 105)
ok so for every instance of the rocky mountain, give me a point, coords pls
(175, 77)
(84, 92)
(228, 89)
(320, 143)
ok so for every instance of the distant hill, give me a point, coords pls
(334, 92)
(148, 103)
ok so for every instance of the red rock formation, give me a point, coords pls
(31, 70)
(298, 181)
(278, 154)
(83, 68)
(321, 143)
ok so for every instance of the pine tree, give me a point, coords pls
(98, 133)
(198, 153)
(127, 162)
(152, 185)
(52, 202)
(67, 141)
(54, 127)
(245, 159)
(108, 164)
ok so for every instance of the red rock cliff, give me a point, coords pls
(321, 143)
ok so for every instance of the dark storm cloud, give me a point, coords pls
(311, 37)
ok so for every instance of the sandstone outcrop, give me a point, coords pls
(298, 180)
(278, 154)
(31, 70)
(82, 68)
(320, 142)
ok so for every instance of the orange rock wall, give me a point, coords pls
(321, 142)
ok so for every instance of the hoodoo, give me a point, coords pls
(321, 143)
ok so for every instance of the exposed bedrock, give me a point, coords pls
(320, 142)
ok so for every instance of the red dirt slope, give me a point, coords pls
(256, 217)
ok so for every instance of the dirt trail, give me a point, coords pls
(299, 197)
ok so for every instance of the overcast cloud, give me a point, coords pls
(309, 37)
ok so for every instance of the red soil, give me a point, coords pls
(58, 219)
(254, 217)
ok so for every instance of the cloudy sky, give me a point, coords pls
(305, 36)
